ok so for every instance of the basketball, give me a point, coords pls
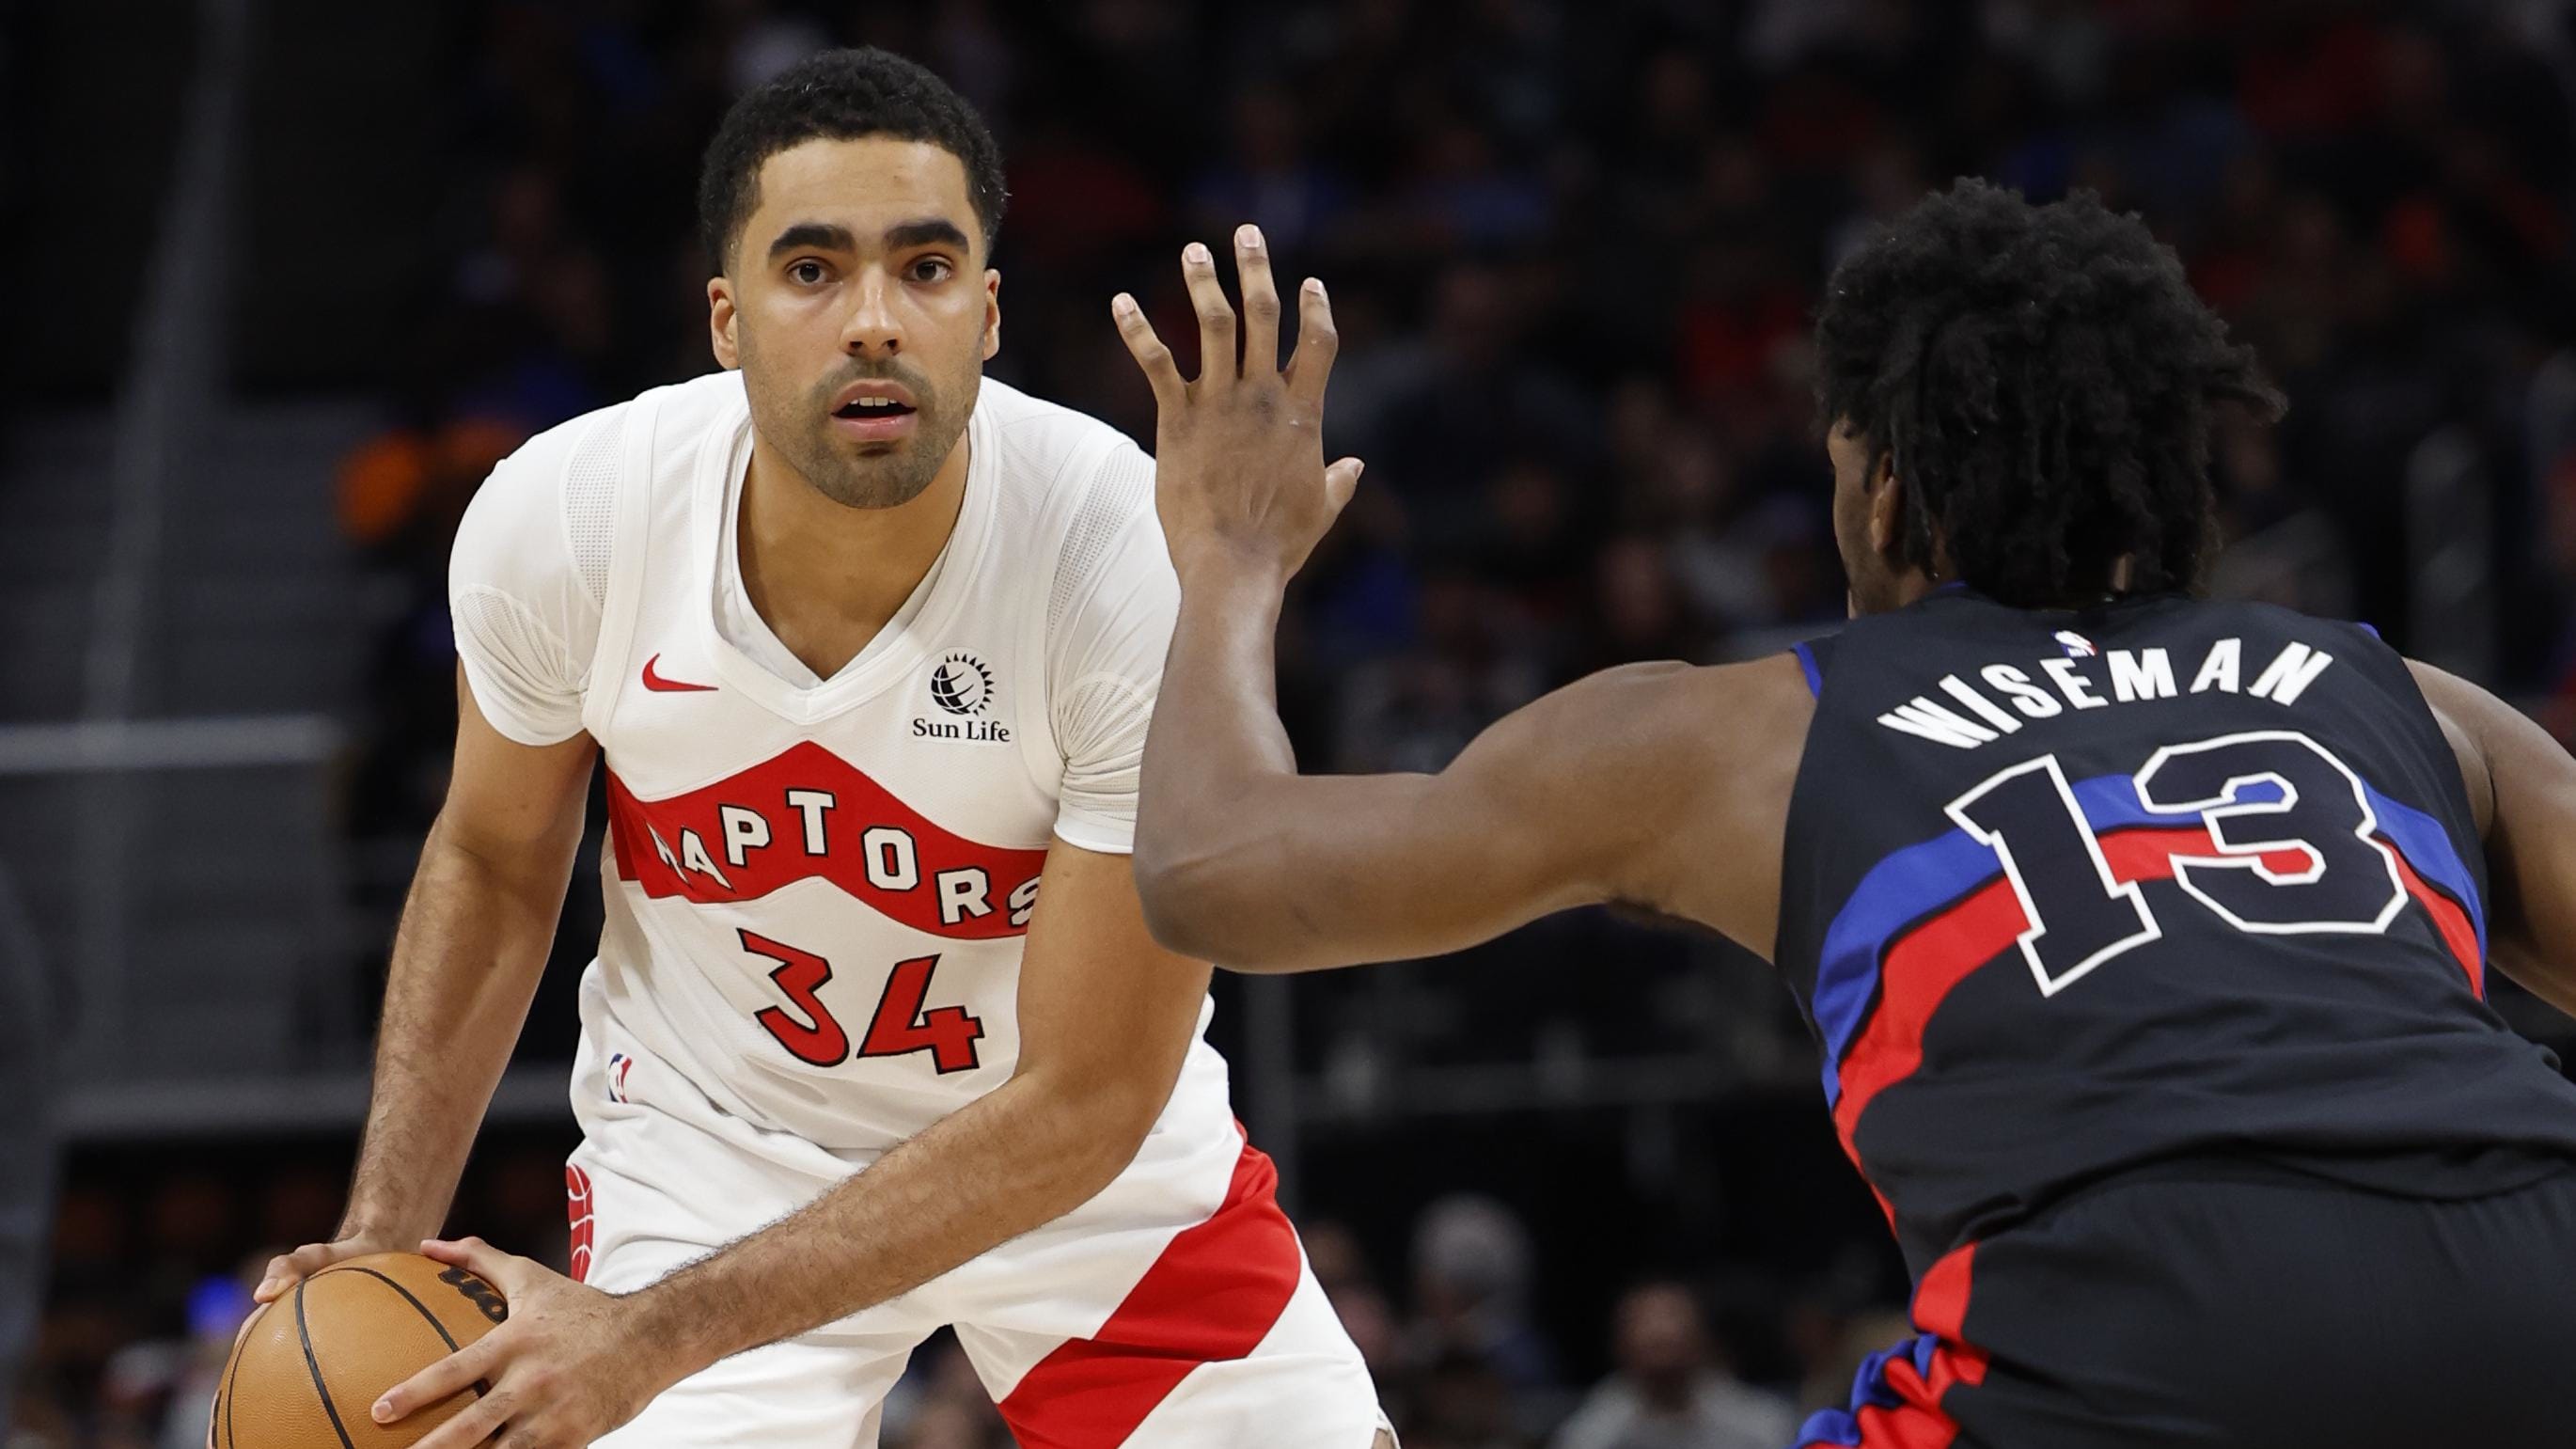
(312, 1363)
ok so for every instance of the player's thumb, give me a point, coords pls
(1341, 480)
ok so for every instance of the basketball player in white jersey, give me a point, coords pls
(867, 646)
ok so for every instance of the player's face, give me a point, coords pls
(1865, 520)
(858, 309)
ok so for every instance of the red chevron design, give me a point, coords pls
(925, 876)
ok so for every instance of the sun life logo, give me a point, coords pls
(961, 684)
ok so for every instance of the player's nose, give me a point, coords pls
(874, 327)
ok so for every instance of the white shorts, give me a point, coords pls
(1175, 1308)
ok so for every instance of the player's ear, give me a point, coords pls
(721, 316)
(1886, 507)
(992, 313)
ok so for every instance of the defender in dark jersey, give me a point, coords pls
(2146, 937)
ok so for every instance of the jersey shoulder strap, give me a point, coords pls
(1814, 655)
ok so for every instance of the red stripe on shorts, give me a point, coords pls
(577, 1209)
(1213, 1295)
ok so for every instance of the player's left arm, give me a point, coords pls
(2522, 789)
(1106, 1019)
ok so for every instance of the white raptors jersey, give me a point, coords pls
(817, 890)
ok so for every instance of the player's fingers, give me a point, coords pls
(279, 1277)
(458, 1370)
(1260, 304)
(1317, 343)
(1341, 480)
(1161, 373)
(475, 1256)
(1216, 316)
(286, 1268)
(475, 1424)
(508, 1272)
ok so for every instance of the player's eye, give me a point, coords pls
(806, 273)
(932, 269)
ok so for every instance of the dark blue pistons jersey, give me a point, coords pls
(2066, 894)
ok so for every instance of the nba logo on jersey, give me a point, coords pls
(618, 1064)
(2076, 645)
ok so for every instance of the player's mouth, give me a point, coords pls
(874, 412)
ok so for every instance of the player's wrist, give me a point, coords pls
(664, 1337)
(1230, 565)
(387, 1228)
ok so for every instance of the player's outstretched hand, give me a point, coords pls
(1239, 467)
(564, 1369)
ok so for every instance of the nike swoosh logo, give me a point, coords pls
(654, 681)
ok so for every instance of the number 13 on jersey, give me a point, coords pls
(2267, 830)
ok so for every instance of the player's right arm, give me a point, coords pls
(2522, 788)
(1660, 785)
(475, 934)
(480, 920)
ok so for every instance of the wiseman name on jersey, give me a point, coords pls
(2003, 697)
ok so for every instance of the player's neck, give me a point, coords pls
(1915, 587)
(827, 578)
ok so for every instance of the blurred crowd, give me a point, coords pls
(1575, 252)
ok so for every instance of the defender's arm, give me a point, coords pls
(1584, 796)
(1661, 785)
(2522, 786)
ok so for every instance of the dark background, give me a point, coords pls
(1575, 252)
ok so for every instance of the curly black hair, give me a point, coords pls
(2042, 378)
(841, 95)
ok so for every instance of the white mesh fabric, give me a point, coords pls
(1109, 623)
(590, 495)
(1124, 484)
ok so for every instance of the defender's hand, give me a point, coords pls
(1239, 475)
(563, 1370)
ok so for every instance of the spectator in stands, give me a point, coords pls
(1472, 1336)
(1342, 1271)
(1672, 1389)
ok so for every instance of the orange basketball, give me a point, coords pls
(316, 1360)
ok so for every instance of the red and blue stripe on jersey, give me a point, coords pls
(1927, 916)
(1899, 1396)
